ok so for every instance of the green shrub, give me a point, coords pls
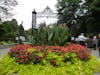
(8, 66)
(3, 42)
(57, 35)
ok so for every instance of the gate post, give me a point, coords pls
(33, 20)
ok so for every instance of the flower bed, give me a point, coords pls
(73, 59)
(26, 53)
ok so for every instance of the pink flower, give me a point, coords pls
(22, 61)
(38, 58)
(22, 56)
(53, 62)
(26, 59)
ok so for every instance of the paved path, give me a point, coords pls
(3, 51)
(96, 53)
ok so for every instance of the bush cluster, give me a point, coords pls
(57, 35)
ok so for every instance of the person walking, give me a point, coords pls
(89, 42)
(82, 39)
(95, 42)
(99, 44)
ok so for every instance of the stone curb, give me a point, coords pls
(7, 46)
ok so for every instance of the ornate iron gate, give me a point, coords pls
(47, 12)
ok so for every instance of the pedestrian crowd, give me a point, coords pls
(91, 42)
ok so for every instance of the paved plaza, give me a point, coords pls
(3, 51)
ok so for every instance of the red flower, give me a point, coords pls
(44, 54)
(38, 58)
(16, 55)
(22, 56)
(26, 55)
(22, 61)
(26, 59)
(53, 62)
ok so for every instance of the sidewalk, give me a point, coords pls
(96, 53)
(3, 51)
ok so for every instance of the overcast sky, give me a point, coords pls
(24, 11)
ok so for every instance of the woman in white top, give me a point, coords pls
(82, 39)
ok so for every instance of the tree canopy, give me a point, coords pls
(85, 12)
(5, 8)
(9, 30)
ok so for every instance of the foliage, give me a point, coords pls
(49, 54)
(5, 43)
(90, 20)
(95, 9)
(51, 60)
(8, 66)
(68, 10)
(81, 51)
(10, 30)
(57, 35)
(86, 12)
(1, 31)
(27, 33)
(31, 40)
(17, 49)
(5, 8)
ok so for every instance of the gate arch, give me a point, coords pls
(47, 12)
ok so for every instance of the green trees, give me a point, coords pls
(10, 30)
(5, 8)
(86, 12)
(7, 28)
(95, 9)
(67, 10)
(91, 18)
(1, 32)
